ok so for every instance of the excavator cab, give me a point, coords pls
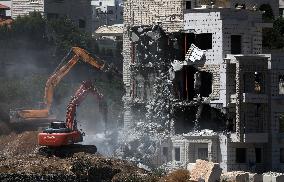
(57, 127)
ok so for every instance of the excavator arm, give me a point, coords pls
(66, 133)
(54, 79)
(80, 54)
(86, 88)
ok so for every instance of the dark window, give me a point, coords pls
(281, 123)
(204, 41)
(282, 155)
(258, 155)
(165, 151)
(258, 80)
(203, 153)
(241, 155)
(177, 154)
(236, 44)
(101, 3)
(82, 23)
(187, 4)
(206, 84)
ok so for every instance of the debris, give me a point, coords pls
(21, 162)
(235, 176)
(207, 171)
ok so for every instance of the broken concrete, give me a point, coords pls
(273, 177)
(253, 177)
(208, 171)
(235, 176)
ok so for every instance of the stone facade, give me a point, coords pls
(146, 12)
(80, 12)
(24, 7)
(241, 78)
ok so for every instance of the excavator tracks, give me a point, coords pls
(67, 151)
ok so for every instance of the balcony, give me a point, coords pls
(251, 137)
(250, 98)
(255, 98)
(256, 137)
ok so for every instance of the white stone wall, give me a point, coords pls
(147, 12)
(223, 23)
(24, 7)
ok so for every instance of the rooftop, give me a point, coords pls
(110, 30)
(3, 7)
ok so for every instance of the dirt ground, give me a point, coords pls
(19, 159)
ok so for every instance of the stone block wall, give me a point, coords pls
(24, 7)
(168, 13)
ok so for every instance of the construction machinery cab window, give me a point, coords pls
(241, 155)
(236, 44)
(177, 153)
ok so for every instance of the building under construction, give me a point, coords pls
(226, 97)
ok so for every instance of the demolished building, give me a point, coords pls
(222, 95)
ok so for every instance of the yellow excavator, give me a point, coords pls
(44, 113)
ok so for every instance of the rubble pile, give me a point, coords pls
(206, 171)
(235, 176)
(18, 144)
(19, 161)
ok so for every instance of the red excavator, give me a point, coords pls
(62, 135)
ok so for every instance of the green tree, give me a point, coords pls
(273, 38)
(66, 35)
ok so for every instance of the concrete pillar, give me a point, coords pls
(210, 157)
(239, 124)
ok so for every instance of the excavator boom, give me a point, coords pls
(53, 80)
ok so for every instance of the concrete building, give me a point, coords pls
(79, 11)
(24, 7)
(220, 82)
(8, 4)
(146, 13)
(86, 14)
(281, 8)
(109, 38)
(251, 4)
(106, 12)
(3, 11)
